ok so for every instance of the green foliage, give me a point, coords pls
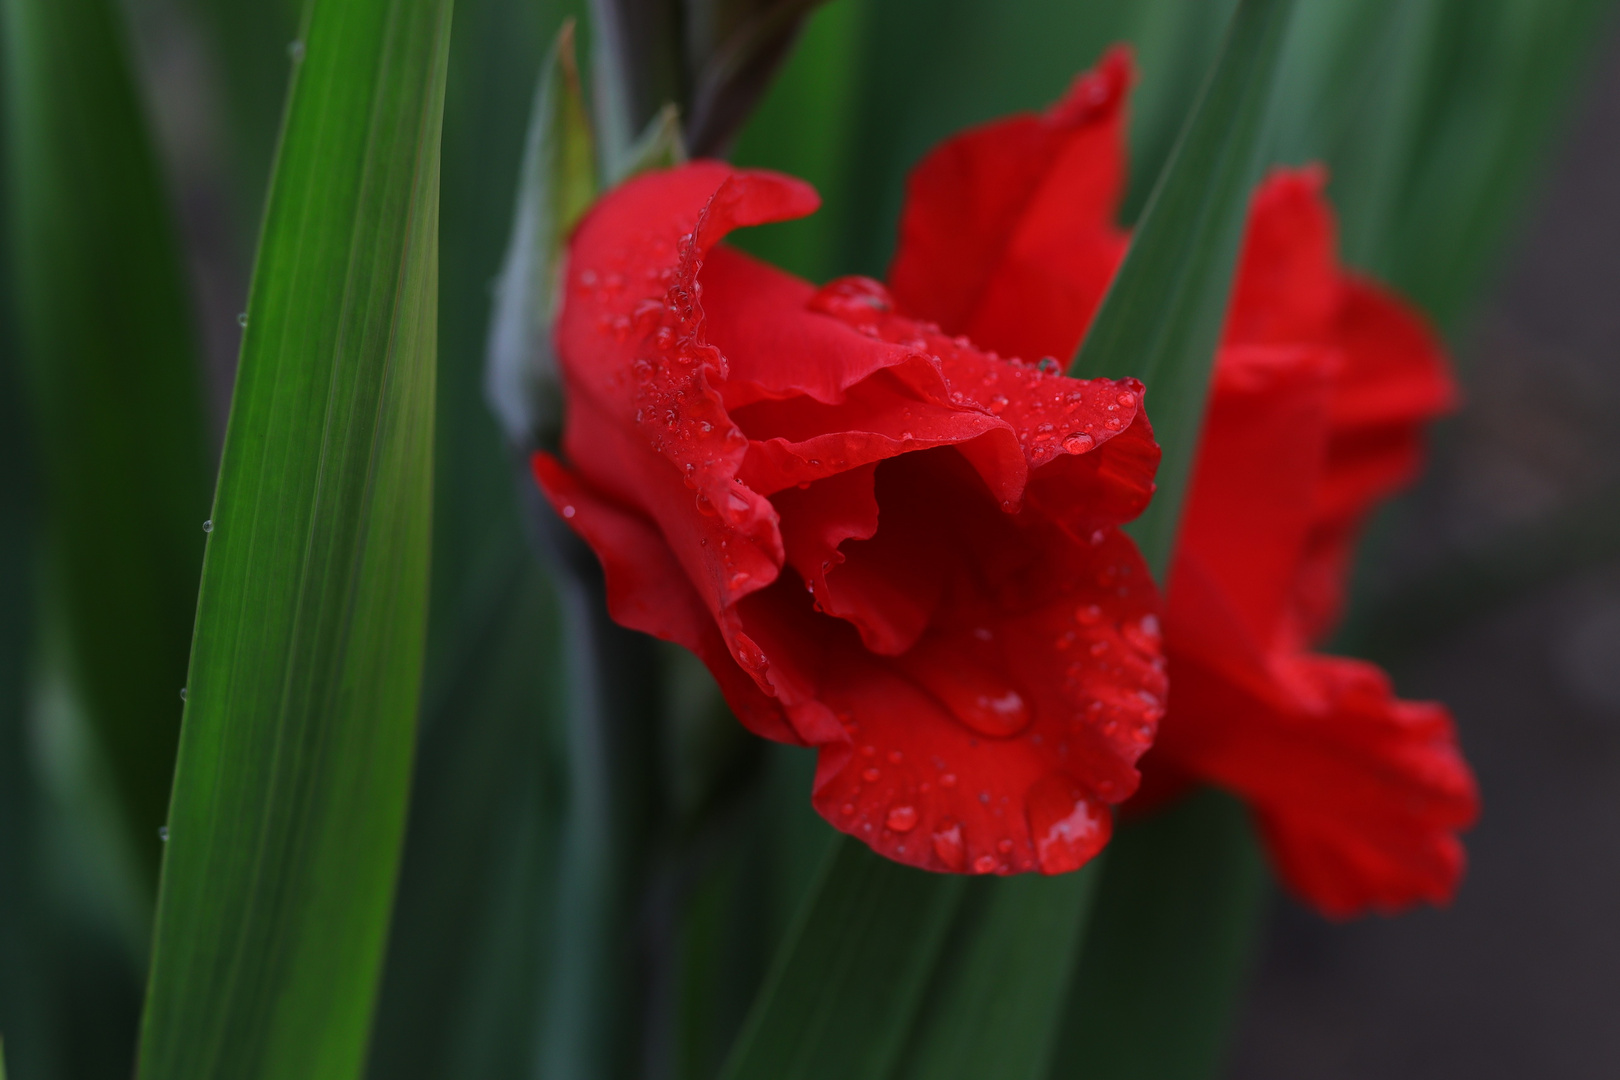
(994, 1003)
(1167, 949)
(116, 402)
(1162, 317)
(848, 980)
(471, 935)
(291, 782)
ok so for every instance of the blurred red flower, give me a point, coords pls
(1321, 386)
(884, 542)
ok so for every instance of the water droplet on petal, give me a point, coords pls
(998, 404)
(902, 818)
(948, 780)
(870, 775)
(569, 511)
(750, 655)
(949, 847)
(984, 864)
(1127, 399)
(1078, 443)
(1068, 829)
(960, 674)
(847, 809)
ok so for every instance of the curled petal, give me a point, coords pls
(880, 536)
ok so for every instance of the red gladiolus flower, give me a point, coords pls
(884, 542)
(1320, 389)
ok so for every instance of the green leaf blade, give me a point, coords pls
(847, 982)
(295, 758)
(1168, 947)
(1161, 319)
(996, 998)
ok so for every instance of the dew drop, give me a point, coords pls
(1078, 443)
(1004, 846)
(208, 526)
(870, 775)
(241, 319)
(984, 864)
(739, 579)
(902, 818)
(163, 833)
(569, 511)
(998, 404)
(295, 50)
(750, 655)
(182, 693)
(847, 809)
(1068, 829)
(894, 757)
(948, 780)
(949, 847)
(1127, 399)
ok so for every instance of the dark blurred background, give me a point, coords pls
(1498, 588)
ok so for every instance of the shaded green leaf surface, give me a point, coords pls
(116, 400)
(1162, 316)
(848, 980)
(295, 757)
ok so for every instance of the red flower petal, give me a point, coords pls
(1321, 387)
(727, 422)
(1008, 232)
(1360, 795)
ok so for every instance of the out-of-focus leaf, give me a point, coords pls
(556, 185)
(472, 920)
(1498, 80)
(594, 1019)
(805, 126)
(847, 983)
(1161, 319)
(712, 58)
(637, 67)
(472, 925)
(658, 146)
(117, 413)
(1167, 949)
(734, 47)
(993, 1005)
(291, 783)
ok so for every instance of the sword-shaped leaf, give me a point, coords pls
(295, 755)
